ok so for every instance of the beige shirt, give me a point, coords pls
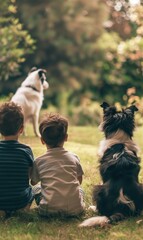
(58, 170)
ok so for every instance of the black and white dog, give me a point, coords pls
(30, 96)
(121, 194)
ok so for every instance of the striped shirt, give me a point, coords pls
(15, 161)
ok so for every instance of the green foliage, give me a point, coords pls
(88, 113)
(68, 34)
(130, 53)
(91, 49)
(15, 42)
(81, 55)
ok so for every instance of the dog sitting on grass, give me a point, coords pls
(121, 195)
(30, 96)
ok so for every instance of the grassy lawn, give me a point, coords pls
(84, 142)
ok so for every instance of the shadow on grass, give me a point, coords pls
(33, 216)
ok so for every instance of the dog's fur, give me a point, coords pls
(30, 96)
(121, 194)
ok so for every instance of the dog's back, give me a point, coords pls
(121, 194)
(30, 96)
(121, 191)
(119, 163)
(30, 101)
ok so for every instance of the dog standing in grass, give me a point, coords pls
(121, 194)
(30, 96)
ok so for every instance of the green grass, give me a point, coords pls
(84, 141)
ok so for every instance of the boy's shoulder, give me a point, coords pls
(14, 145)
(59, 152)
(73, 154)
(24, 147)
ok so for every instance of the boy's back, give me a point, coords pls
(58, 170)
(15, 160)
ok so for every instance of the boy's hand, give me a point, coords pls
(33, 183)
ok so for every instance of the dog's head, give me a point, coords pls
(114, 120)
(37, 79)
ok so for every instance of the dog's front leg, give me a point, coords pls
(35, 119)
(24, 132)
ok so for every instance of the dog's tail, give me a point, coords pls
(95, 221)
(102, 221)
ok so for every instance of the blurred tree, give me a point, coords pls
(126, 20)
(119, 18)
(68, 34)
(84, 45)
(15, 42)
(130, 52)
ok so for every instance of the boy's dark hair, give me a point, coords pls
(11, 118)
(53, 129)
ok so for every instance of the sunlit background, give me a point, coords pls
(92, 51)
(134, 2)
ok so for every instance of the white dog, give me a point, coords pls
(30, 96)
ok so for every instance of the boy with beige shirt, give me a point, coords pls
(58, 170)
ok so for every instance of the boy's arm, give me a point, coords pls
(34, 175)
(30, 172)
(79, 171)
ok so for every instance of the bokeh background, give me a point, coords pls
(92, 51)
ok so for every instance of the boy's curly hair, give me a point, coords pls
(11, 118)
(53, 129)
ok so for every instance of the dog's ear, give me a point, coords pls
(107, 109)
(43, 70)
(33, 69)
(104, 105)
(42, 74)
(132, 108)
(40, 71)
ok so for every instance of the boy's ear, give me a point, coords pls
(66, 137)
(21, 129)
(42, 141)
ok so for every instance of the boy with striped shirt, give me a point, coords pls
(16, 160)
